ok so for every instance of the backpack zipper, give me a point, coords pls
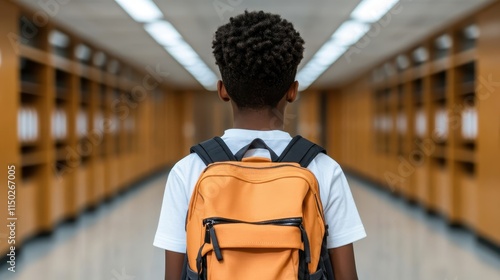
(252, 167)
(278, 222)
(211, 236)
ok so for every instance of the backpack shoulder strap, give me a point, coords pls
(213, 150)
(300, 150)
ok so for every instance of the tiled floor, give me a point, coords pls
(405, 243)
(114, 243)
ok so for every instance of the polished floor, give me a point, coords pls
(114, 243)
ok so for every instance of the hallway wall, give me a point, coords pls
(411, 129)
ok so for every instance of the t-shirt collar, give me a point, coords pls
(262, 134)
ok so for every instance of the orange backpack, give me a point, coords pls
(253, 218)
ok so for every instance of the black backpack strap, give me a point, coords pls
(300, 150)
(213, 150)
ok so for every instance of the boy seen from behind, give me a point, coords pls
(258, 54)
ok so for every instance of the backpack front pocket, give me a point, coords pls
(271, 249)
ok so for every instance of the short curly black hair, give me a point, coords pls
(257, 54)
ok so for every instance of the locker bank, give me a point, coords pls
(100, 99)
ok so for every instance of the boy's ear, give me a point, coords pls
(222, 92)
(292, 92)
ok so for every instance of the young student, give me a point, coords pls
(257, 54)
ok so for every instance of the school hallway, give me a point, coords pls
(99, 99)
(115, 242)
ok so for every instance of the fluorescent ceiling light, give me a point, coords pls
(309, 73)
(141, 10)
(184, 54)
(372, 10)
(326, 56)
(203, 74)
(164, 33)
(329, 53)
(350, 32)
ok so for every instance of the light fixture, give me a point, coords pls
(372, 10)
(329, 52)
(325, 56)
(184, 54)
(203, 74)
(166, 35)
(141, 10)
(348, 34)
(309, 74)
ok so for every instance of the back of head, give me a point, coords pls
(257, 54)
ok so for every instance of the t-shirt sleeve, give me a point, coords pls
(341, 214)
(171, 234)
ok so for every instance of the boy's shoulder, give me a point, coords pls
(324, 163)
(325, 159)
(187, 160)
(188, 165)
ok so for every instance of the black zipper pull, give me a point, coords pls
(307, 248)
(208, 225)
(215, 243)
(211, 237)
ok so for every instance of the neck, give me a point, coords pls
(265, 119)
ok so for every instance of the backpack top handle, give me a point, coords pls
(257, 143)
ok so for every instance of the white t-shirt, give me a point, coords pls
(341, 215)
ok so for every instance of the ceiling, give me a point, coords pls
(105, 24)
